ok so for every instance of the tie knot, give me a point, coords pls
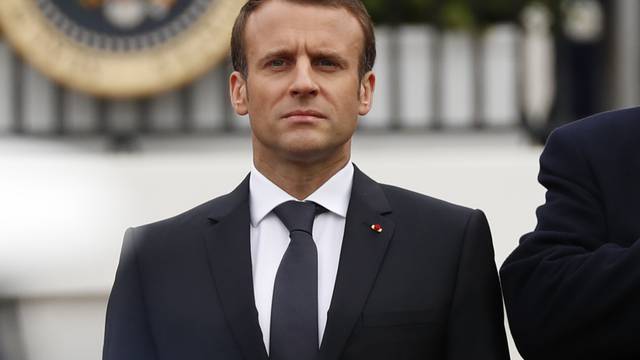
(298, 215)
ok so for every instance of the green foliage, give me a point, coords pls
(418, 11)
(458, 14)
(405, 11)
(493, 11)
(377, 11)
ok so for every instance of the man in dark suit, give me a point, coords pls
(307, 258)
(572, 287)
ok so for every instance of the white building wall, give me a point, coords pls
(81, 112)
(5, 86)
(38, 106)
(416, 76)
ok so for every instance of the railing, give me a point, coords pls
(427, 81)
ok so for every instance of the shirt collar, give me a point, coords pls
(333, 195)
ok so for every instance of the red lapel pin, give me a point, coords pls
(377, 228)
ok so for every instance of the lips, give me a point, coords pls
(304, 115)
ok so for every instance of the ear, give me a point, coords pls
(238, 93)
(367, 85)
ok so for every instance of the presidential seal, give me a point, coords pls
(120, 48)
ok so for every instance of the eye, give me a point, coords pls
(327, 63)
(277, 63)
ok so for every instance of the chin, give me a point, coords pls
(304, 142)
(305, 153)
(306, 150)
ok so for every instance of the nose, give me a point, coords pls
(303, 84)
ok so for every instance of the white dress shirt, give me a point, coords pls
(270, 239)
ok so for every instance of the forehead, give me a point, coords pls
(278, 24)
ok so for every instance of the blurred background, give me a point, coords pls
(467, 93)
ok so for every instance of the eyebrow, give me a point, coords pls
(276, 53)
(329, 54)
(315, 54)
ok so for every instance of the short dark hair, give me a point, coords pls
(355, 7)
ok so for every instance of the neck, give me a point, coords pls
(300, 178)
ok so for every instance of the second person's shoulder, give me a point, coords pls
(605, 126)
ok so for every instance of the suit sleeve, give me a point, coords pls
(127, 334)
(476, 322)
(569, 289)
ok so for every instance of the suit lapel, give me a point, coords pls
(362, 253)
(228, 247)
(363, 250)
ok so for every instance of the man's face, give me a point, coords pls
(302, 93)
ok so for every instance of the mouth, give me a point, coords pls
(304, 116)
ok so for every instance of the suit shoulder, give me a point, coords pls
(446, 222)
(402, 198)
(592, 144)
(180, 218)
(197, 214)
(602, 125)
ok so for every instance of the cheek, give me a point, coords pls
(350, 106)
(262, 95)
(345, 96)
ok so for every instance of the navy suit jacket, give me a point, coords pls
(572, 287)
(426, 287)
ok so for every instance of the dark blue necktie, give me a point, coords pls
(294, 311)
